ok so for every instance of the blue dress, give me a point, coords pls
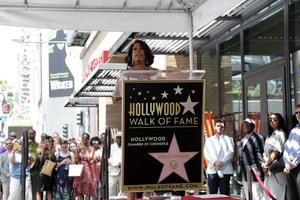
(62, 189)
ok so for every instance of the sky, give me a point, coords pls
(8, 54)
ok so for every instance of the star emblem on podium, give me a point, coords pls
(188, 105)
(173, 161)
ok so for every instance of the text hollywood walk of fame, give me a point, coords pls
(162, 107)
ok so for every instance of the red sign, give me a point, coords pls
(95, 62)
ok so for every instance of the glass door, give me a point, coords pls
(264, 95)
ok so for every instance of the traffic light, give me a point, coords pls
(79, 118)
(65, 131)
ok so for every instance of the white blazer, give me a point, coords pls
(219, 149)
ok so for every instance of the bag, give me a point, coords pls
(48, 167)
(277, 166)
(75, 170)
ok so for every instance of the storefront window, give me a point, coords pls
(209, 64)
(294, 27)
(275, 95)
(231, 87)
(264, 42)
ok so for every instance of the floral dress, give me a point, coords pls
(96, 168)
(85, 185)
(62, 189)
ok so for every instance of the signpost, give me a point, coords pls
(24, 163)
(162, 131)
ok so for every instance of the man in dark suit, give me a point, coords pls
(250, 152)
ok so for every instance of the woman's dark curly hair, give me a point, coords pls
(149, 57)
(94, 140)
(281, 124)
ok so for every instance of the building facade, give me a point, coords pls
(252, 64)
(251, 58)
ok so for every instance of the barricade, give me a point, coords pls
(261, 184)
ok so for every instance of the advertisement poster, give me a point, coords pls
(61, 80)
(162, 135)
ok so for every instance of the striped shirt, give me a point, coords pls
(291, 153)
(250, 152)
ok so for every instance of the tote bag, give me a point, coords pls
(48, 167)
(75, 170)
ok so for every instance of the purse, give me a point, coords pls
(277, 166)
(48, 168)
(75, 170)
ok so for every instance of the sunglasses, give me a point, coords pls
(297, 113)
(219, 125)
(248, 124)
(273, 119)
(8, 143)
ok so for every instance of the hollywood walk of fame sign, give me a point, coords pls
(162, 134)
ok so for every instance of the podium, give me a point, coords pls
(210, 197)
(162, 125)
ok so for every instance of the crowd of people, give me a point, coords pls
(274, 159)
(59, 185)
(85, 151)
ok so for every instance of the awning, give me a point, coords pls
(100, 83)
(178, 42)
(160, 43)
(114, 15)
(82, 102)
